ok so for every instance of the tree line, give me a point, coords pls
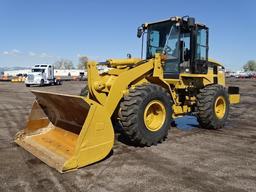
(68, 64)
(83, 60)
(250, 66)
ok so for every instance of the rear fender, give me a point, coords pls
(163, 83)
(234, 95)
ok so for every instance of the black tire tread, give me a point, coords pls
(206, 116)
(84, 91)
(130, 106)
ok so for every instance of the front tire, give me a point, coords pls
(213, 107)
(41, 83)
(145, 114)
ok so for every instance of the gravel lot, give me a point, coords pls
(191, 159)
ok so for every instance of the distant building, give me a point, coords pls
(60, 73)
(14, 73)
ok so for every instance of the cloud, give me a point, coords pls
(45, 55)
(35, 55)
(32, 54)
(80, 55)
(41, 55)
(13, 52)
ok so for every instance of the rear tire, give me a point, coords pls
(145, 114)
(213, 107)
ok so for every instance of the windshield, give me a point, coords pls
(157, 35)
(38, 70)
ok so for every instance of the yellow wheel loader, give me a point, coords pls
(175, 78)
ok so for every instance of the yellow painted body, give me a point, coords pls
(68, 132)
(234, 98)
(72, 132)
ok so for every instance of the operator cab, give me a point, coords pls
(183, 42)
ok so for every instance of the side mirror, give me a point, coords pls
(191, 22)
(139, 32)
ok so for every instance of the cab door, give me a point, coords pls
(172, 51)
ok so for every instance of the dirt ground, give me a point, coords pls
(191, 159)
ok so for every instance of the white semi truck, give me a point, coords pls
(42, 74)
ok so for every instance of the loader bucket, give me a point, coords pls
(67, 132)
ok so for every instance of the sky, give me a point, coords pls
(43, 31)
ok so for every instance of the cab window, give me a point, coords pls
(157, 35)
(172, 50)
(201, 51)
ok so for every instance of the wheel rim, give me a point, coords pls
(154, 115)
(220, 107)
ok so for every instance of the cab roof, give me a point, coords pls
(174, 19)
